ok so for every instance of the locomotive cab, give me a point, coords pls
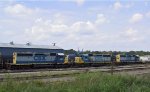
(70, 59)
(84, 58)
(60, 57)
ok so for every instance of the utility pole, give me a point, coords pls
(112, 66)
(112, 63)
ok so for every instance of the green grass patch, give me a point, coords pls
(87, 82)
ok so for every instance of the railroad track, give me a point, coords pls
(70, 72)
(68, 69)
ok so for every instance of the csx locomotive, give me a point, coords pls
(22, 59)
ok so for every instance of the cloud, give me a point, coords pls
(117, 5)
(101, 19)
(78, 2)
(84, 28)
(131, 34)
(43, 29)
(48, 29)
(18, 10)
(136, 18)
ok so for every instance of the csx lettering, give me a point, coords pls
(39, 58)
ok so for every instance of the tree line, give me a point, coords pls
(141, 53)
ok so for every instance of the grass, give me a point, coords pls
(87, 82)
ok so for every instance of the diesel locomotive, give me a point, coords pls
(29, 59)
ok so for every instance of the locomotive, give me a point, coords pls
(29, 59)
(32, 60)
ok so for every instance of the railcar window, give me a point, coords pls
(24, 54)
(106, 55)
(98, 55)
(86, 57)
(90, 54)
(53, 54)
(40, 54)
(122, 56)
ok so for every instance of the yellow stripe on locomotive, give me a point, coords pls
(66, 61)
(79, 60)
(14, 57)
(118, 58)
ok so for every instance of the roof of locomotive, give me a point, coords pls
(28, 45)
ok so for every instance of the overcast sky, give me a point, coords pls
(72, 24)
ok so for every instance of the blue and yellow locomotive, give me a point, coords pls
(33, 59)
(127, 58)
(90, 58)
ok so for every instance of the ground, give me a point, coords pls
(85, 82)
